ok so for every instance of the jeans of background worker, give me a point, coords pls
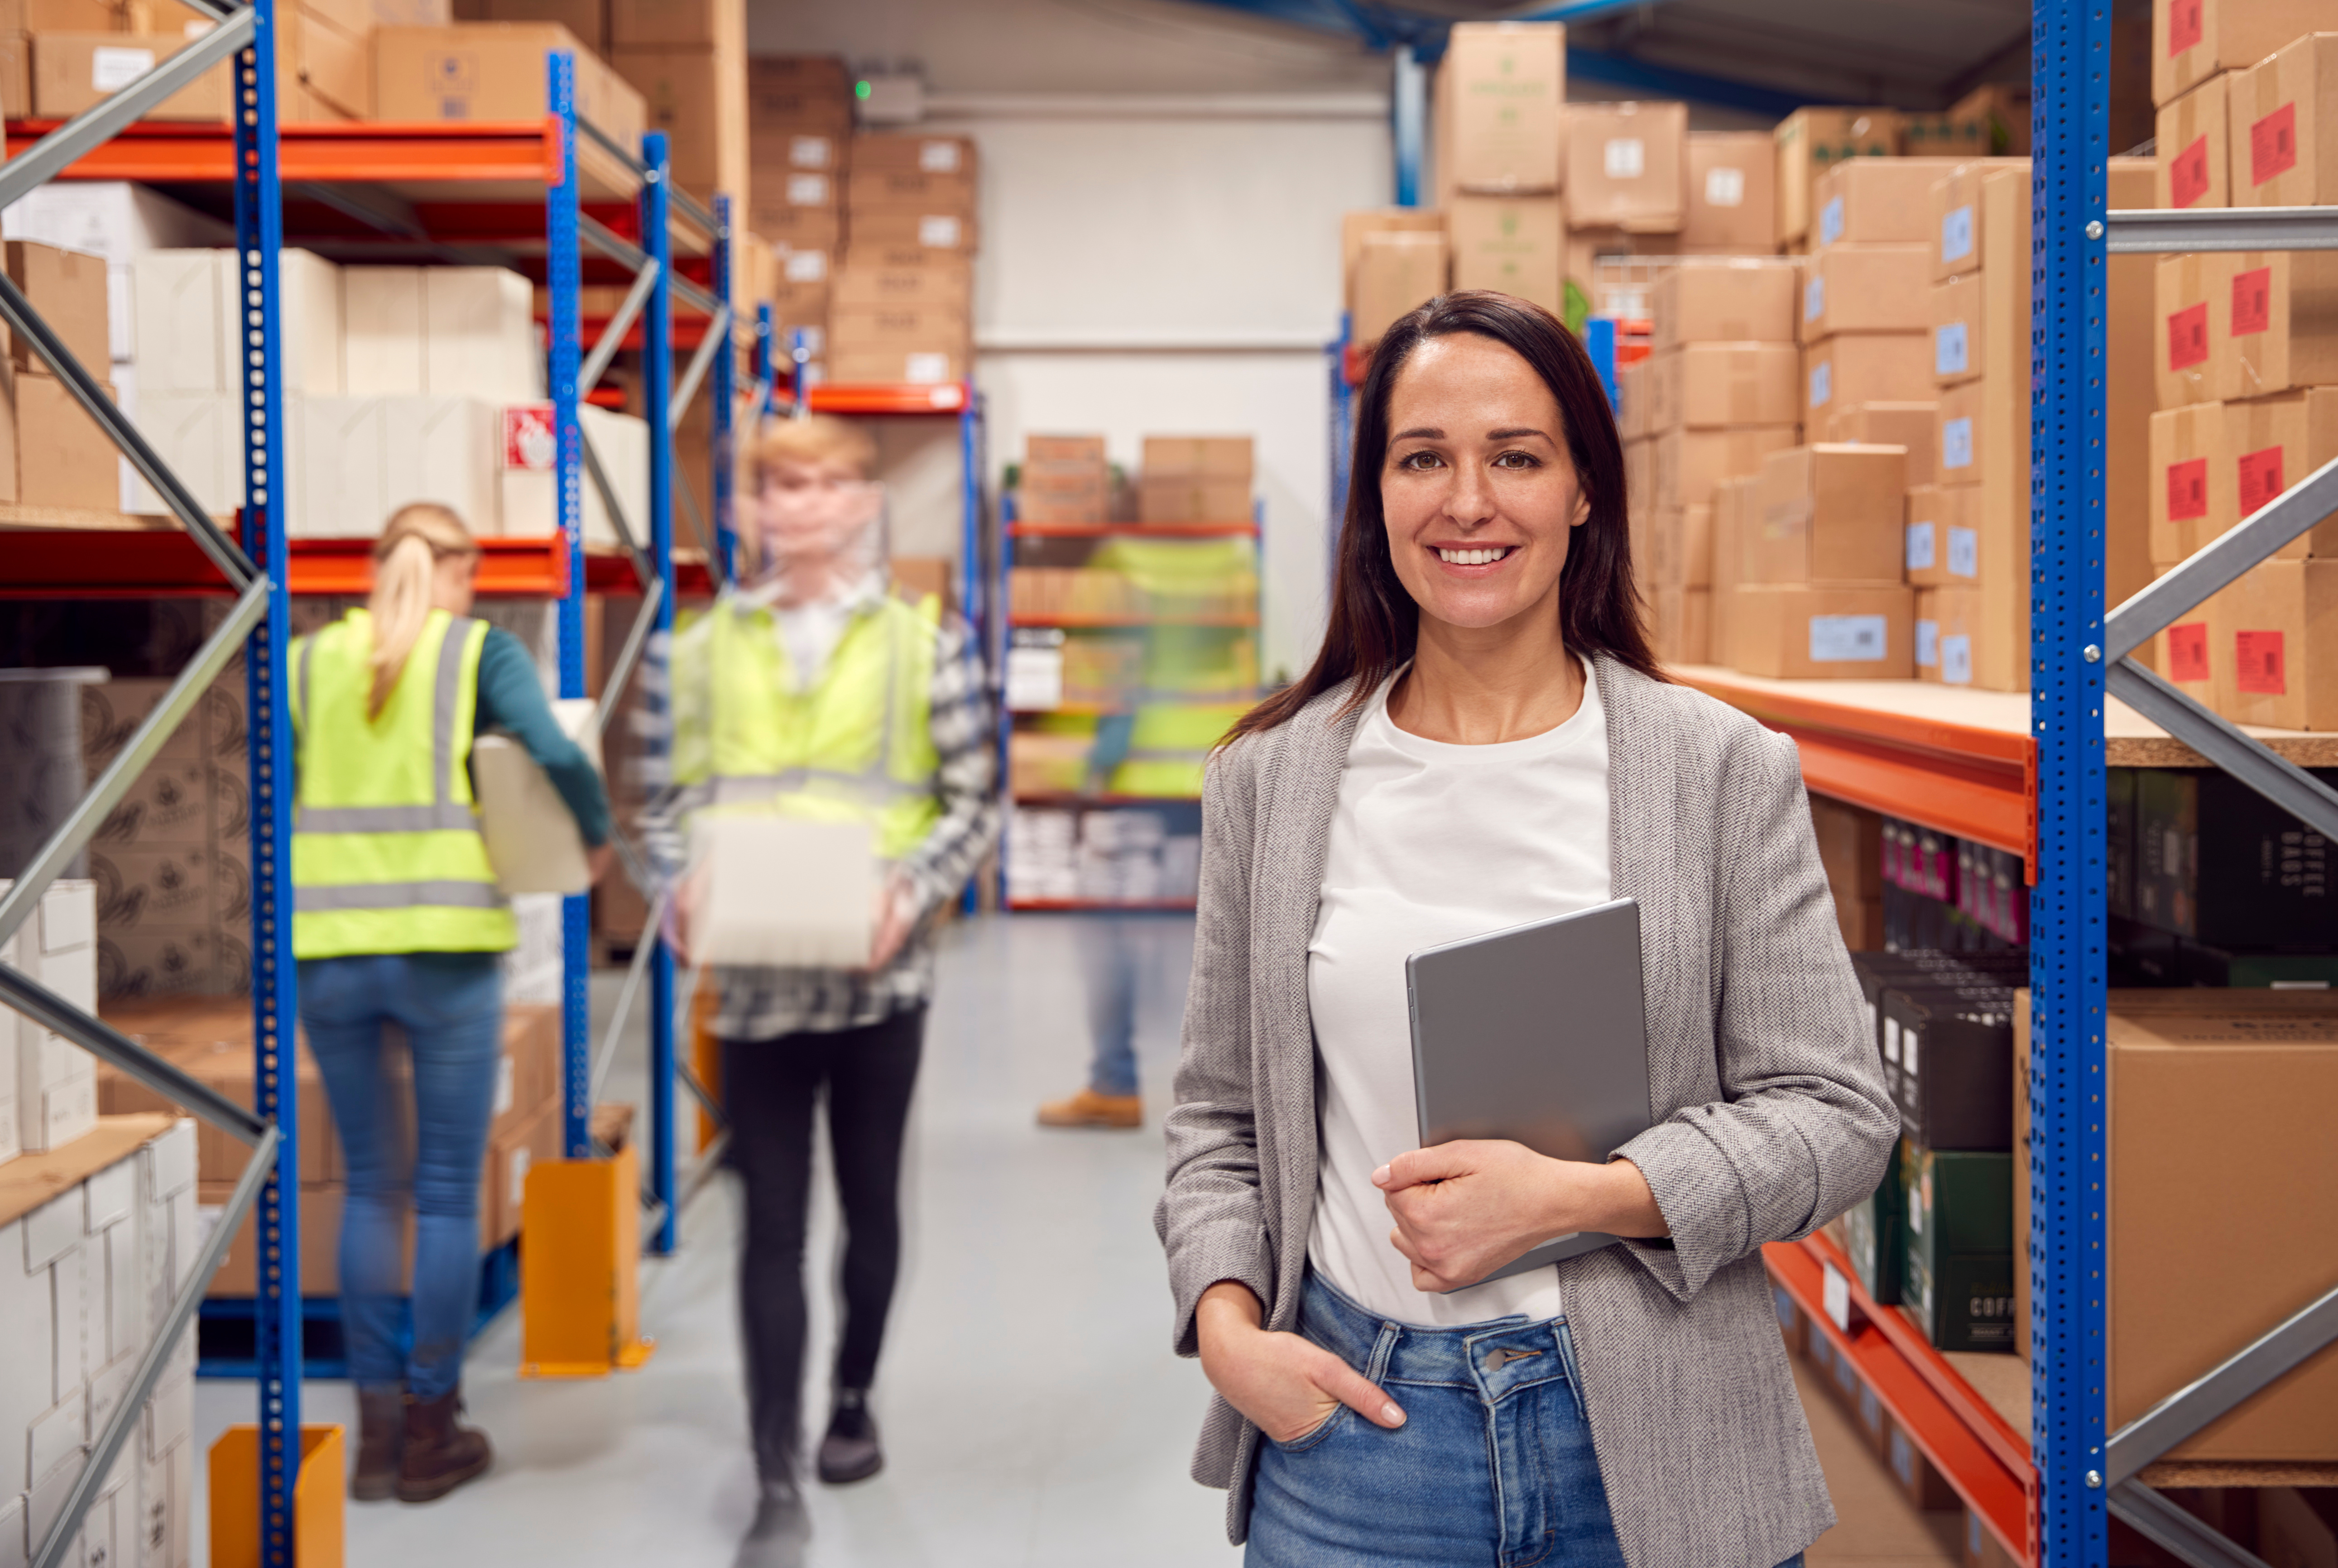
(1112, 954)
(770, 1088)
(1493, 1465)
(450, 1005)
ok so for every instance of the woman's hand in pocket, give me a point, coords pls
(1286, 1385)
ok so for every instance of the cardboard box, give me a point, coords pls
(1810, 143)
(1640, 484)
(2182, 290)
(1064, 449)
(1957, 218)
(503, 1184)
(361, 458)
(927, 231)
(1890, 423)
(698, 97)
(1734, 300)
(2194, 163)
(1355, 226)
(1395, 273)
(868, 188)
(74, 71)
(75, 461)
(810, 92)
(1192, 498)
(1685, 465)
(794, 150)
(1732, 203)
(938, 327)
(1852, 367)
(1850, 840)
(1501, 94)
(497, 71)
(1682, 625)
(1943, 540)
(2194, 654)
(953, 156)
(1732, 500)
(2272, 321)
(1203, 456)
(320, 1242)
(2283, 127)
(1823, 633)
(1864, 288)
(1627, 166)
(2250, 1073)
(944, 283)
(383, 346)
(2283, 644)
(678, 24)
(1829, 515)
(1706, 386)
(1879, 201)
(1633, 392)
(918, 367)
(588, 19)
(332, 59)
(1512, 244)
(2215, 464)
(68, 289)
(183, 305)
(478, 334)
(2192, 40)
(1678, 549)
(1959, 344)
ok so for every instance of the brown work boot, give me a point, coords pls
(1089, 1109)
(441, 1454)
(381, 1437)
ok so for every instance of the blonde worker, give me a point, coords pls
(813, 688)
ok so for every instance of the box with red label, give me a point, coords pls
(2181, 362)
(2284, 124)
(2283, 644)
(2187, 451)
(2274, 443)
(2192, 40)
(2196, 654)
(2194, 167)
(2272, 321)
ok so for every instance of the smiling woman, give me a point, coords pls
(1484, 741)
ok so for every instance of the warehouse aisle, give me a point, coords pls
(1031, 1407)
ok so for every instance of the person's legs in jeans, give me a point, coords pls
(342, 1009)
(1108, 960)
(451, 1004)
(769, 1089)
(869, 1082)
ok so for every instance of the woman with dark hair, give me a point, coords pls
(1484, 740)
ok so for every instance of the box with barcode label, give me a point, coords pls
(75, 71)
(2279, 128)
(1958, 345)
(1879, 287)
(2283, 641)
(1878, 200)
(1855, 368)
(1625, 166)
(2194, 160)
(2254, 323)
(1861, 633)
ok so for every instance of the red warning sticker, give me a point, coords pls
(2256, 663)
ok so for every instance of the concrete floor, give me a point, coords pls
(1033, 1413)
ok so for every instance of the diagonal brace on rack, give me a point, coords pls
(612, 336)
(2173, 1531)
(2219, 1390)
(224, 552)
(49, 863)
(2227, 746)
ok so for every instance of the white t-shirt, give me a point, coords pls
(1430, 843)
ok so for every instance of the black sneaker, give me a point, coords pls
(851, 1451)
(776, 1539)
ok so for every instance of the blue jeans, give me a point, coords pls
(1492, 1468)
(1111, 949)
(450, 1005)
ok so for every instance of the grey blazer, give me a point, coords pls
(1770, 1106)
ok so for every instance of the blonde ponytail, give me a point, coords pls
(404, 562)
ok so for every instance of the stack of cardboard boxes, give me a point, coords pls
(2247, 371)
(1063, 479)
(1808, 146)
(904, 297)
(55, 454)
(1719, 396)
(90, 1254)
(1864, 323)
(1196, 479)
(688, 60)
(1500, 109)
(1391, 260)
(210, 1040)
(799, 135)
(48, 1085)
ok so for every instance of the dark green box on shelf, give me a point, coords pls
(1875, 1234)
(1958, 1283)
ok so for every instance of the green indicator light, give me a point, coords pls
(861, 89)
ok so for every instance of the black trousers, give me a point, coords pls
(770, 1088)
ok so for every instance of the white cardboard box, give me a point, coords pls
(199, 435)
(526, 489)
(185, 307)
(27, 1355)
(119, 221)
(381, 324)
(478, 334)
(361, 458)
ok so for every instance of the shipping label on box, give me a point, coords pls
(76, 71)
(1731, 193)
(1625, 166)
(1501, 92)
(1809, 143)
(1852, 368)
(1943, 535)
(1879, 201)
(911, 226)
(892, 153)
(2283, 129)
(2192, 166)
(1958, 344)
(2272, 321)
(1828, 633)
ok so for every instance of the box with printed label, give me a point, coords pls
(1501, 97)
(1679, 547)
(1394, 274)
(2194, 161)
(1717, 299)
(918, 367)
(940, 155)
(945, 280)
(941, 326)
(2192, 40)
(2194, 653)
(913, 226)
(77, 461)
(1956, 217)
(1681, 623)
(871, 188)
(1879, 201)
(2215, 464)
(2183, 288)
(1625, 166)
(1732, 204)
(1960, 1293)
(76, 71)
(1865, 368)
(361, 458)
(1686, 464)
(811, 91)
(1705, 386)
(2272, 321)
(1943, 535)
(2282, 124)
(1959, 348)
(481, 71)
(1796, 631)
(1810, 143)
(1514, 244)
(2284, 642)
(1864, 288)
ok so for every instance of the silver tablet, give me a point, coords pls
(1537, 1034)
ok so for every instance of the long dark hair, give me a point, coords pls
(1374, 622)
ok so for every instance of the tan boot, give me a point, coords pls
(1089, 1109)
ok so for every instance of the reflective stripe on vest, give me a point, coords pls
(386, 855)
(857, 742)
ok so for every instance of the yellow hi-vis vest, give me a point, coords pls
(856, 746)
(386, 855)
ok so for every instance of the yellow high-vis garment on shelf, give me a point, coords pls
(386, 855)
(853, 746)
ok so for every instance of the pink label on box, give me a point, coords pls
(2260, 478)
(2252, 301)
(2257, 663)
(2273, 144)
(2187, 489)
(2187, 337)
(2187, 652)
(2188, 174)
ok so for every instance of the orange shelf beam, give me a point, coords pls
(608, 570)
(199, 152)
(1985, 1460)
(892, 398)
(163, 560)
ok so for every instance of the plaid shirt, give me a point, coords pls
(765, 1004)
